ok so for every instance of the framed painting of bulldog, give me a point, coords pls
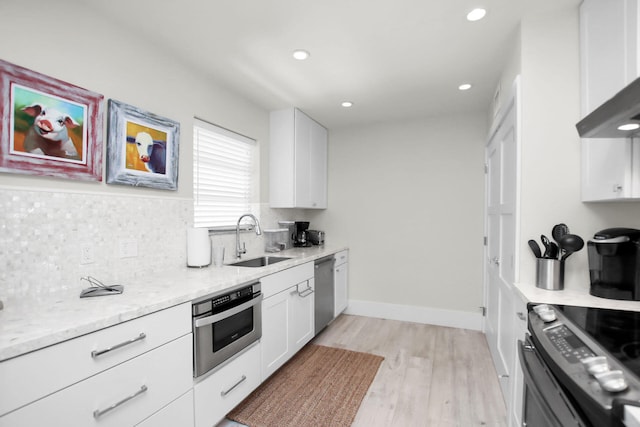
(48, 127)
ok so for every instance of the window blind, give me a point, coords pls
(222, 175)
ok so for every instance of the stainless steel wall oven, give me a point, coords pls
(581, 366)
(225, 324)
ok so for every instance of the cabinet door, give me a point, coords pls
(340, 281)
(302, 320)
(310, 162)
(607, 172)
(318, 168)
(608, 45)
(275, 332)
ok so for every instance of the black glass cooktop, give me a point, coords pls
(616, 331)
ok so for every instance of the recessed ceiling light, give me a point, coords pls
(300, 54)
(476, 14)
(347, 104)
(464, 86)
(629, 126)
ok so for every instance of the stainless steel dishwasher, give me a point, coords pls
(324, 292)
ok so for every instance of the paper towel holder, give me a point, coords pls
(198, 248)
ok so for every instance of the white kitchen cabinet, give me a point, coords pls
(177, 413)
(146, 361)
(124, 395)
(610, 169)
(298, 161)
(219, 392)
(340, 281)
(288, 318)
(609, 61)
(519, 317)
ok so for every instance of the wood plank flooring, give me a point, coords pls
(431, 376)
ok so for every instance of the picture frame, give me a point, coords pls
(142, 148)
(49, 127)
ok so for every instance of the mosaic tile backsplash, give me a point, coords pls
(42, 235)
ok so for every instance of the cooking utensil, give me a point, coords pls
(558, 231)
(535, 248)
(570, 243)
(545, 242)
(553, 251)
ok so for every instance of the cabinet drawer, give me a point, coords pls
(178, 413)
(46, 371)
(149, 382)
(220, 392)
(342, 257)
(278, 282)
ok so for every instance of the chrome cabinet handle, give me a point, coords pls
(495, 261)
(96, 353)
(521, 315)
(305, 293)
(223, 393)
(227, 313)
(100, 412)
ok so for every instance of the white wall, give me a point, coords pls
(407, 198)
(75, 44)
(46, 220)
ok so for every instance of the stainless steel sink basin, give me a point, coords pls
(262, 261)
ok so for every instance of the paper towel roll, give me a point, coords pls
(198, 247)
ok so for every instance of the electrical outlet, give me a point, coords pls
(128, 248)
(86, 254)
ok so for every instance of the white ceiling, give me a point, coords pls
(393, 59)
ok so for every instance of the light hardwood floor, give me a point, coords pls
(431, 376)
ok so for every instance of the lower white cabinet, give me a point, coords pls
(177, 413)
(340, 281)
(288, 323)
(216, 394)
(124, 395)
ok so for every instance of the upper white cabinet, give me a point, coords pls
(609, 34)
(298, 161)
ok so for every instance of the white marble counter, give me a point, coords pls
(579, 297)
(30, 324)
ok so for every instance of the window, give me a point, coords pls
(223, 180)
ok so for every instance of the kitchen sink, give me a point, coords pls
(262, 261)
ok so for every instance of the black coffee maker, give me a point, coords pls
(614, 264)
(300, 238)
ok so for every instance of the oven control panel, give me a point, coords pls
(568, 344)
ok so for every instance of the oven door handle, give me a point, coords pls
(227, 313)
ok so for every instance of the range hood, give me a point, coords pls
(622, 109)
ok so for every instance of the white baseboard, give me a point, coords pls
(409, 313)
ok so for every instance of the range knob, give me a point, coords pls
(612, 381)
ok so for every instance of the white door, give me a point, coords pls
(501, 201)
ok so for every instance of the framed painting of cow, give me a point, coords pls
(142, 148)
(48, 127)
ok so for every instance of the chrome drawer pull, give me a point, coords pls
(100, 412)
(223, 393)
(305, 293)
(96, 353)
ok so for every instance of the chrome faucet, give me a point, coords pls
(243, 249)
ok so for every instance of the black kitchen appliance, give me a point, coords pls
(614, 264)
(300, 237)
(581, 366)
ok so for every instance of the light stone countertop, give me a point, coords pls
(30, 324)
(578, 297)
